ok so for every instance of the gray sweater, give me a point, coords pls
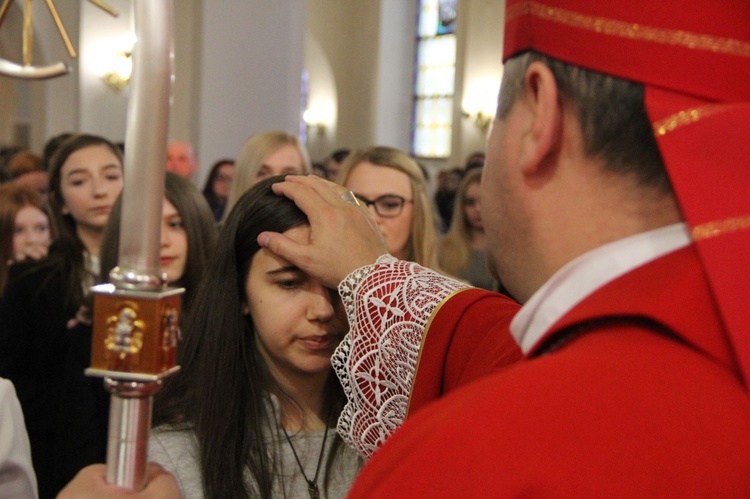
(177, 452)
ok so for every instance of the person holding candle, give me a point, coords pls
(188, 237)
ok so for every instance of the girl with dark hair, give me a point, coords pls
(216, 189)
(186, 213)
(253, 410)
(188, 237)
(42, 299)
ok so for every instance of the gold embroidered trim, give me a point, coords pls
(684, 118)
(720, 227)
(633, 31)
(424, 339)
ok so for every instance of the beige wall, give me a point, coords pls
(480, 52)
(231, 56)
(346, 31)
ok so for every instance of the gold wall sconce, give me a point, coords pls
(480, 100)
(122, 67)
(481, 119)
(314, 121)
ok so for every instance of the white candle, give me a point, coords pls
(145, 145)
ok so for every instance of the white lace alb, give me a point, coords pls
(388, 305)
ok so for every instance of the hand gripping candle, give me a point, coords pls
(136, 317)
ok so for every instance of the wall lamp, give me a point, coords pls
(480, 100)
(314, 120)
(122, 68)
(481, 119)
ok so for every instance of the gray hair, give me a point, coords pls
(611, 112)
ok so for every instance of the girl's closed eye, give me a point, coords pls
(289, 283)
(288, 278)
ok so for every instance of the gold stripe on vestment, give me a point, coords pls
(685, 117)
(424, 338)
(633, 31)
(709, 230)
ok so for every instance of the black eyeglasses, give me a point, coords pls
(387, 206)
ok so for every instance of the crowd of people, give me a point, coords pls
(563, 317)
(61, 240)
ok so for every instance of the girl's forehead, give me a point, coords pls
(92, 156)
(264, 260)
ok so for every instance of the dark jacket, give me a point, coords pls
(34, 340)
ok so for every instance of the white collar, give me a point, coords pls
(587, 273)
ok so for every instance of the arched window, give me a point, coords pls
(434, 82)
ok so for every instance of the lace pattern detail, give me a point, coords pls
(388, 305)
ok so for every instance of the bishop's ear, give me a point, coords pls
(541, 100)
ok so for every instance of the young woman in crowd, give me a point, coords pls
(24, 227)
(41, 299)
(265, 155)
(188, 237)
(252, 412)
(461, 251)
(216, 189)
(392, 184)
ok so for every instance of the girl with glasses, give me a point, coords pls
(393, 186)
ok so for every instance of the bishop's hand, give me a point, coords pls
(343, 235)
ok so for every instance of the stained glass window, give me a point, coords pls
(432, 122)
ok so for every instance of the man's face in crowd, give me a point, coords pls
(180, 159)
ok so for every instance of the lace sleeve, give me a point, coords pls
(388, 305)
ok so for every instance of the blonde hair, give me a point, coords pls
(422, 244)
(455, 248)
(250, 160)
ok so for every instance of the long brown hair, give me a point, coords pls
(223, 391)
(199, 225)
(68, 247)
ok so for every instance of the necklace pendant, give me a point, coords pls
(312, 489)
